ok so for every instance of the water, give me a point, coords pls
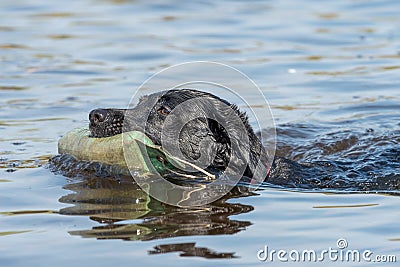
(330, 72)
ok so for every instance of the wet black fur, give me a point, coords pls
(203, 134)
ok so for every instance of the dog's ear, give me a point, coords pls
(238, 146)
(232, 136)
(197, 143)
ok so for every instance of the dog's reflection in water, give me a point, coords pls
(190, 250)
(127, 213)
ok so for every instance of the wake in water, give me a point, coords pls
(352, 160)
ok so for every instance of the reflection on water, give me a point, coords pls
(114, 202)
(190, 250)
(128, 213)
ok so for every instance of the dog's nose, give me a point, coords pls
(97, 116)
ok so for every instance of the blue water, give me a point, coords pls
(330, 67)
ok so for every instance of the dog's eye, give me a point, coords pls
(164, 111)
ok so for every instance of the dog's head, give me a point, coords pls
(193, 124)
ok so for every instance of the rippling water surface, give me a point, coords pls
(330, 71)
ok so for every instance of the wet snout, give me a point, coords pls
(97, 116)
(105, 122)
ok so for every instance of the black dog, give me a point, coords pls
(234, 144)
(205, 128)
(230, 144)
